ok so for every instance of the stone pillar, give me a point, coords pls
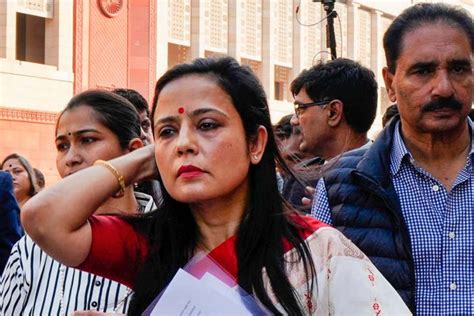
(65, 40)
(268, 67)
(162, 24)
(234, 33)
(197, 29)
(11, 30)
(325, 51)
(298, 45)
(377, 60)
(353, 27)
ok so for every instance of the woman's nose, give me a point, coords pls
(186, 141)
(73, 157)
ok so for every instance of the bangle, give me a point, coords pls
(117, 175)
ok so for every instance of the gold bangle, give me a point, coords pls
(118, 176)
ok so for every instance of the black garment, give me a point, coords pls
(10, 228)
(293, 191)
(366, 209)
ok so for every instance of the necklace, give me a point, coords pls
(62, 278)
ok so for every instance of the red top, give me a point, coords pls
(118, 250)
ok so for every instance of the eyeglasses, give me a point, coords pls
(301, 106)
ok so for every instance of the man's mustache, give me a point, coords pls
(442, 103)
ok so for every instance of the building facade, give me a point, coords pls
(51, 49)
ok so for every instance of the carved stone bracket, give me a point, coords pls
(11, 114)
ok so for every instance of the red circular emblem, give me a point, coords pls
(111, 8)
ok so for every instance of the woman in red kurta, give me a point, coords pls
(216, 154)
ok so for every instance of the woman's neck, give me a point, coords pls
(219, 219)
(22, 200)
(127, 204)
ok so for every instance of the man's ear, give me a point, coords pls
(335, 112)
(257, 145)
(388, 79)
(135, 144)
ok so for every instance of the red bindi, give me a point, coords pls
(180, 110)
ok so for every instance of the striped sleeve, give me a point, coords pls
(14, 284)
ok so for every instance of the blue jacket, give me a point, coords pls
(366, 209)
(10, 228)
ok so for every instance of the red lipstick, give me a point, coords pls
(189, 171)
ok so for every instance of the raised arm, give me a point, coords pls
(56, 218)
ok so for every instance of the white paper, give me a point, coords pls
(220, 287)
(188, 296)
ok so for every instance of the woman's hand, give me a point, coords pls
(147, 169)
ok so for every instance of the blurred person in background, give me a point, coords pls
(390, 112)
(24, 179)
(289, 139)
(40, 181)
(141, 105)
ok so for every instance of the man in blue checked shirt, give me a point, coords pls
(408, 200)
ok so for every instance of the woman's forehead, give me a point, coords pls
(190, 93)
(12, 163)
(79, 116)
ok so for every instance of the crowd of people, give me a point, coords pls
(308, 216)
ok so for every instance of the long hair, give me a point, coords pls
(29, 170)
(172, 231)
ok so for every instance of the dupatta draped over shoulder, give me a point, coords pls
(346, 282)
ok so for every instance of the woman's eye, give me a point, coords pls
(166, 132)
(87, 140)
(62, 146)
(206, 126)
(146, 125)
(18, 171)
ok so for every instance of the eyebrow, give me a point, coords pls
(423, 64)
(197, 112)
(77, 133)
(432, 64)
(460, 62)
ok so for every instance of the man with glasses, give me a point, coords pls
(335, 105)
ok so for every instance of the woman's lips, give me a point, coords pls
(189, 171)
